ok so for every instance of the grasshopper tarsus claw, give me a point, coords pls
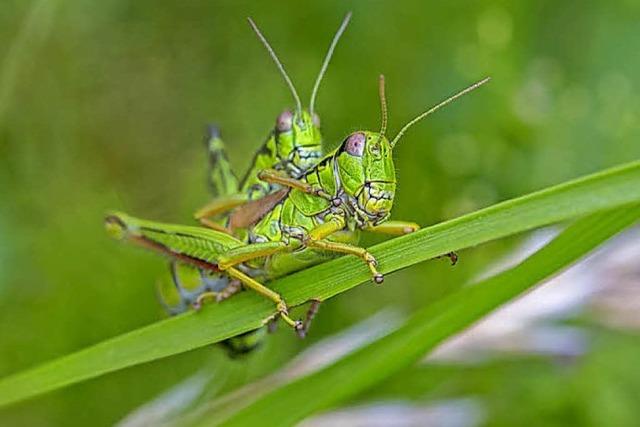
(453, 257)
(300, 329)
(284, 315)
(370, 259)
(378, 278)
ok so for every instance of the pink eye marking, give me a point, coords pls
(355, 144)
(316, 120)
(284, 122)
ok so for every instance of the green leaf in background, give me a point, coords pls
(607, 189)
(426, 329)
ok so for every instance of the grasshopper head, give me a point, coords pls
(365, 163)
(298, 139)
(365, 166)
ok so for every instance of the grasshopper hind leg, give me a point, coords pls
(311, 313)
(222, 180)
(233, 287)
(176, 299)
(281, 305)
(223, 183)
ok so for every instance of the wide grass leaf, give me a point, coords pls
(607, 189)
(375, 362)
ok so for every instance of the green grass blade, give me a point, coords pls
(603, 190)
(429, 327)
(607, 189)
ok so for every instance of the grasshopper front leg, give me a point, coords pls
(399, 228)
(395, 228)
(281, 305)
(216, 207)
(275, 177)
(251, 211)
(232, 288)
(317, 239)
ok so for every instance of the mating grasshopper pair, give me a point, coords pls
(293, 215)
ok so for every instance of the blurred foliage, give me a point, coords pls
(428, 327)
(102, 105)
(596, 390)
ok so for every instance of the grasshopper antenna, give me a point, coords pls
(279, 65)
(327, 59)
(437, 107)
(383, 105)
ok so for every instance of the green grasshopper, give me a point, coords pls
(293, 146)
(349, 190)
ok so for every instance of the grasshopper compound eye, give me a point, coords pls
(355, 144)
(316, 120)
(284, 122)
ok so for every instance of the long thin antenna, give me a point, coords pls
(279, 64)
(327, 59)
(383, 105)
(437, 107)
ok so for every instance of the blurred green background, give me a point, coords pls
(103, 105)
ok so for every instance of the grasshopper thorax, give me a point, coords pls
(367, 174)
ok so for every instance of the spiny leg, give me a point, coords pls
(274, 177)
(232, 288)
(216, 207)
(316, 239)
(396, 228)
(202, 298)
(345, 248)
(311, 313)
(245, 253)
(281, 305)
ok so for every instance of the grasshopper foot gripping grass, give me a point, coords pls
(302, 229)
